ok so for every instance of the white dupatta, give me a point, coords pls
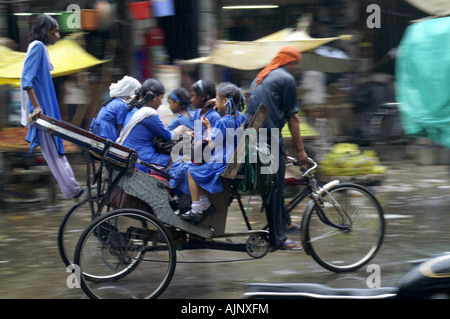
(139, 116)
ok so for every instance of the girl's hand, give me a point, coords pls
(205, 122)
(181, 129)
(37, 110)
(210, 103)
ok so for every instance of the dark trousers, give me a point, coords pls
(277, 217)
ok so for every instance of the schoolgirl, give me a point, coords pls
(180, 103)
(203, 98)
(203, 93)
(206, 178)
(111, 117)
(145, 124)
(39, 97)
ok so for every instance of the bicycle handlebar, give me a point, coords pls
(293, 161)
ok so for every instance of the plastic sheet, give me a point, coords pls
(423, 80)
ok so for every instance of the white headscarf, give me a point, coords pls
(124, 88)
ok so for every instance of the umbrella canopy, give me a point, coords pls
(433, 7)
(253, 55)
(67, 57)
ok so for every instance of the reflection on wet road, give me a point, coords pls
(415, 199)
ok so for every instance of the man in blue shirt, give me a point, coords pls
(275, 87)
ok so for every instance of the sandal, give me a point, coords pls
(290, 245)
(293, 229)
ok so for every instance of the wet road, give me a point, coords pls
(415, 199)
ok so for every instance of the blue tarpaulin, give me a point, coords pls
(163, 8)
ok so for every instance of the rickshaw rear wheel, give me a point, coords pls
(125, 253)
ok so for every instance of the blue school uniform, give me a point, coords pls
(110, 116)
(207, 175)
(212, 115)
(141, 140)
(129, 115)
(36, 75)
(182, 120)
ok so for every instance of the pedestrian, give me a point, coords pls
(111, 117)
(275, 87)
(39, 97)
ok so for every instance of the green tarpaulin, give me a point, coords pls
(423, 80)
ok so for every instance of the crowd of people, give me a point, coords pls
(130, 117)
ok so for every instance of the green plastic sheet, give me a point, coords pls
(423, 80)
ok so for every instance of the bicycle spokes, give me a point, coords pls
(332, 213)
(343, 228)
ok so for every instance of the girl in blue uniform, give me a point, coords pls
(111, 117)
(206, 178)
(203, 98)
(38, 96)
(145, 124)
(203, 93)
(180, 103)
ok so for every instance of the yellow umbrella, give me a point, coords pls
(67, 57)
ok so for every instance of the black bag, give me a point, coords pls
(162, 146)
(195, 148)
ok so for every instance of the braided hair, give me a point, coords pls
(149, 89)
(235, 97)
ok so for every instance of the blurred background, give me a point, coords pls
(144, 39)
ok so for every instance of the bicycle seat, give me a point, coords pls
(315, 291)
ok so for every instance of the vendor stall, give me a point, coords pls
(25, 177)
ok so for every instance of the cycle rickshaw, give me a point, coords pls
(131, 233)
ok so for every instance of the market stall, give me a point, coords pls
(25, 177)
